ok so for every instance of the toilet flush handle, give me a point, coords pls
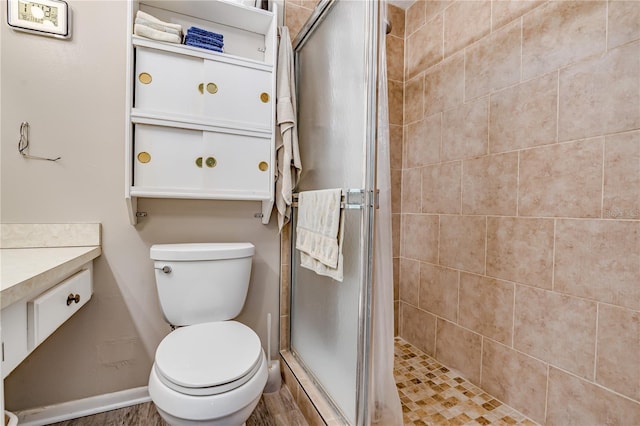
(166, 269)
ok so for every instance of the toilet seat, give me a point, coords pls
(208, 358)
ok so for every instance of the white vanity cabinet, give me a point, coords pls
(27, 323)
(201, 124)
(46, 300)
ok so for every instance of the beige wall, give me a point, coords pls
(520, 204)
(72, 93)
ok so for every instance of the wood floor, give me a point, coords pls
(274, 409)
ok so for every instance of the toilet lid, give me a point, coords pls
(209, 354)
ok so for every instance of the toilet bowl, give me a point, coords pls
(208, 374)
(211, 370)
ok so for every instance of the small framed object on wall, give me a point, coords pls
(44, 17)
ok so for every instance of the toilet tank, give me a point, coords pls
(202, 282)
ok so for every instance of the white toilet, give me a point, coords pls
(210, 370)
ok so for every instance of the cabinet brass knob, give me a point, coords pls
(73, 298)
(264, 97)
(211, 162)
(263, 166)
(201, 88)
(212, 88)
(144, 157)
(145, 78)
(199, 161)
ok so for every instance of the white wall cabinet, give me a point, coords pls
(201, 164)
(200, 124)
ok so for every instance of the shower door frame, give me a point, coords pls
(369, 204)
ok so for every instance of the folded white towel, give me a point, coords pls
(143, 15)
(319, 232)
(158, 27)
(148, 32)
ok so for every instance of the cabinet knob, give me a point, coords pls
(264, 97)
(144, 157)
(263, 166)
(73, 298)
(212, 88)
(145, 78)
(201, 88)
(199, 162)
(211, 162)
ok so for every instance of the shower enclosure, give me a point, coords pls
(336, 60)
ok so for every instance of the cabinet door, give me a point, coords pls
(167, 157)
(242, 164)
(238, 95)
(168, 83)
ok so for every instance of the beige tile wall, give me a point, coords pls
(518, 222)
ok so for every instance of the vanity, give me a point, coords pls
(46, 276)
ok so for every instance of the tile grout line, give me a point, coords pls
(606, 27)
(595, 352)
(481, 356)
(546, 393)
(458, 303)
(521, 48)
(461, 184)
(513, 317)
(604, 154)
(435, 336)
(558, 109)
(518, 186)
(438, 250)
(486, 244)
(553, 256)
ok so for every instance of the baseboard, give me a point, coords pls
(83, 407)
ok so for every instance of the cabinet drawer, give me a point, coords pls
(211, 163)
(212, 92)
(49, 310)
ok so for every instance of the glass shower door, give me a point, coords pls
(336, 89)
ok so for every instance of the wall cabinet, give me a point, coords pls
(200, 164)
(200, 124)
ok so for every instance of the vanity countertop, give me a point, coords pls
(25, 271)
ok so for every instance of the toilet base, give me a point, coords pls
(236, 419)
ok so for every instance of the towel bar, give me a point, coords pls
(351, 199)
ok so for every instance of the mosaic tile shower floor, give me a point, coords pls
(432, 394)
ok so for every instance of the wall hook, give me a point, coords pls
(23, 144)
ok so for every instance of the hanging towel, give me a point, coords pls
(148, 32)
(288, 161)
(319, 232)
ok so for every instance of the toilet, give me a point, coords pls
(210, 370)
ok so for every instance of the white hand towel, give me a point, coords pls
(143, 15)
(148, 32)
(319, 232)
